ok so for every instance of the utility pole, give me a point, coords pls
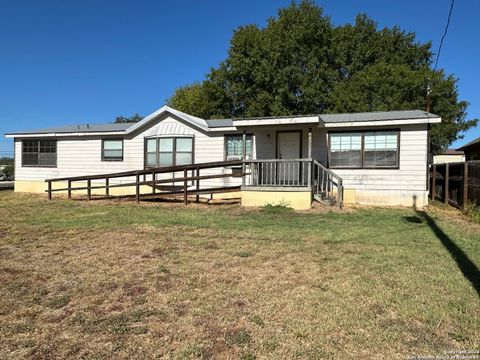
(427, 97)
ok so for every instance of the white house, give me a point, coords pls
(379, 157)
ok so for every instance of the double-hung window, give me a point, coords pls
(375, 149)
(168, 151)
(234, 147)
(112, 150)
(346, 150)
(40, 153)
(381, 149)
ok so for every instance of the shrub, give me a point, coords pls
(472, 210)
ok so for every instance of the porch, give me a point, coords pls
(298, 165)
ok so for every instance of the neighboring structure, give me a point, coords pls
(381, 156)
(449, 156)
(471, 150)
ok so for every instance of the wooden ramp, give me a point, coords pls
(190, 183)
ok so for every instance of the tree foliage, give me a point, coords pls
(5, 160)
(9, 170)
(300, 63)
(128, 119)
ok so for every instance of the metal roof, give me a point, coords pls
(86, 128)
(274, 117)
(451, 152)
(377, 116)
(219, 123)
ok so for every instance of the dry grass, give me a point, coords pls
(113, 280)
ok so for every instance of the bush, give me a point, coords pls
(9, 170)
(472, 210)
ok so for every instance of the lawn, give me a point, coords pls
(114, 280)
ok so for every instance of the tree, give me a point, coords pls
(128, 119)
(300, 63)
(6, 160)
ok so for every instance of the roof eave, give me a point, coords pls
(276, 121)
(65, 134)
(383, 122)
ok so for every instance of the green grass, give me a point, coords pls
(109, 280)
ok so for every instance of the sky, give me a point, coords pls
(88, 61)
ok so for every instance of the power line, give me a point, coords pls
(444, 34)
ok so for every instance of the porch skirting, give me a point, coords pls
(298, 199)
(385, 197)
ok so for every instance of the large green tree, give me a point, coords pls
(300, 63)
(128, 119)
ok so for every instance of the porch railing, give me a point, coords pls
(279, 173)
(326, 184)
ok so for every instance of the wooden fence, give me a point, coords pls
(456, 184)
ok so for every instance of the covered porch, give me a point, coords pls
(287, 162)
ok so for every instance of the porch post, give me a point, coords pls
(309, 143)
(244, 156)
(310, 163)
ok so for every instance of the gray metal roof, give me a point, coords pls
(220, 123)
(212, 123)
(377, 116)
(79, 128)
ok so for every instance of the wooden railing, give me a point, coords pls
(326, 184)
(296, 173)
(279, 173)
(190, 176)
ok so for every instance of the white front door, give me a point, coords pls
(288, 147)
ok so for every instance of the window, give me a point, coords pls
(377, 149)
(381, 149)
(233, 147)
(346, 150)
(168, 151)
(42, 153)
(112, 150)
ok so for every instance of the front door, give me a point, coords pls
(289, 147)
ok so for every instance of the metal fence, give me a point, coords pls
(456, 183)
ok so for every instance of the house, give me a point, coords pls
(471, 150)
(378, 157)
(449, 156)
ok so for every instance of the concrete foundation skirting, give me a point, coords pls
(298, 199)
(385, 197)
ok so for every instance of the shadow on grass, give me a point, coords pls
(468, 268)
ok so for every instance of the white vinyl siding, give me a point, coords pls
(78, 156)
(410, 174)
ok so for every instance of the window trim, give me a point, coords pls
(38, 153)
(225, 144)
(157, 149)
(362, 150)
(103, 149)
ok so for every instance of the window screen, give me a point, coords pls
(376, 149)
(151, 152)
(381, 149)
(42, 153)
(112, 150)
(233, 147)
(346, 150)
(169, 151)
